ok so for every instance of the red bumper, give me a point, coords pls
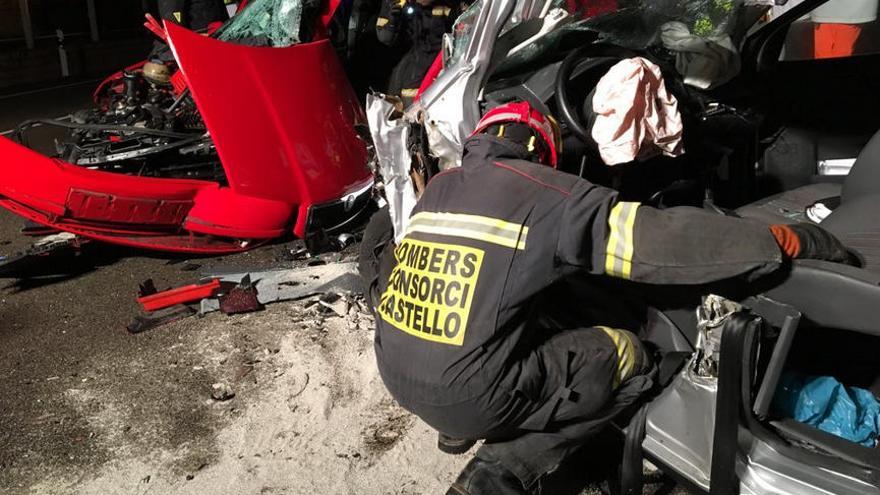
(135, 211)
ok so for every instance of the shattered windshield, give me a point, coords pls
(274, 23)
(463, 31)
(702, 36)
(529, 9)
(639, 23)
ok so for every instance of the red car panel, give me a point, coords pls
(282, 119)
(128, 210)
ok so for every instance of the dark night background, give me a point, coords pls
(122, 40)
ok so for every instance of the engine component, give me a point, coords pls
(140, 128)
(157, 73)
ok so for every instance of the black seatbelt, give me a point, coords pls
(631, 466)
(735, 340)
(631, 480)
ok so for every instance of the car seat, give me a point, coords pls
(790, 206)
(854, 221)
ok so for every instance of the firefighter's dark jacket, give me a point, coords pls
(484, 239)
(194, 14)
(423, 24)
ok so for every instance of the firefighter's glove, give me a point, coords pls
(808, 241)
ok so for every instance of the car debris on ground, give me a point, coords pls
(222, 392)
(240, 299)
(336, 285)
(153, 319)
(188, 293)
(15, 264)
(291, 284)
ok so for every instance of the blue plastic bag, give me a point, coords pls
(821, 401)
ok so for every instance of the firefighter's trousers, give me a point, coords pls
(408, 74)
(568, 387)
(574, 363)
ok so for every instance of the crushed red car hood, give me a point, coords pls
(283, 123)
(282, 119)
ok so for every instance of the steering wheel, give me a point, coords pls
(591, 61)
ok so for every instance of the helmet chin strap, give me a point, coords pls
(524, 136)
(536, 132)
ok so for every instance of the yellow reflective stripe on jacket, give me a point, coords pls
(441, 11)
(619, 253)
(409, 92)
(476, 227)
(626, 354)
(381, 22)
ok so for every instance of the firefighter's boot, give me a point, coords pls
(452, 445)
(482, 477)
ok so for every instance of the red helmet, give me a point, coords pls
(540, 125)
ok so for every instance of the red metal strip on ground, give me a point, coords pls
(179, 295)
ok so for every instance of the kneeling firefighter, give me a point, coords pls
(463, 339)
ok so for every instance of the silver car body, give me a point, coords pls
(679, 434)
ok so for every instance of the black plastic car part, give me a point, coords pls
(589, 62)
(569, 111)
(738, 335)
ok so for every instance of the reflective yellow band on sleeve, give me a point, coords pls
(626, 354)
(178, 16)
(619, 251)
(381, 22)
(409, 92)
(486, 229)
(441, 11)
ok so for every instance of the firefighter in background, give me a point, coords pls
(197, 15)
(467, 337)
(423, 23)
